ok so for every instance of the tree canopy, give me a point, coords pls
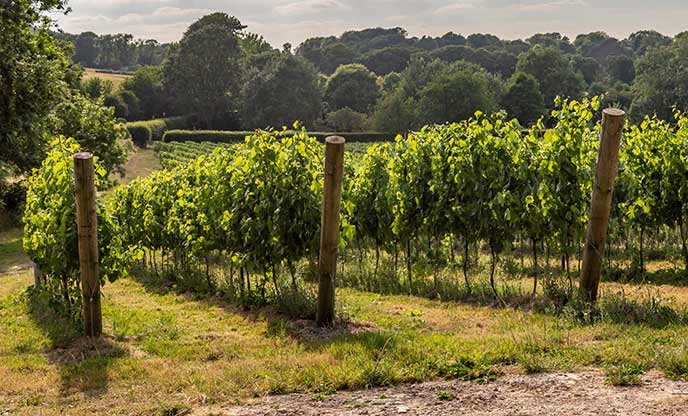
(287, 90)
(203, 71)
(352, 86)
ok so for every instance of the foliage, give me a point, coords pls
(285, 91)
(202, 72)
(258, 202)
(50, 229)
(32, 78)
(140, 134)
(454, 95)
(147, 86)
(94, 128)
(522, 98)
(658, 72)
(553, 71)
(158, 127)
(352, 86)
(219, 136)
(346, 119)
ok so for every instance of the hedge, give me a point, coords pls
(158, 127)
(219, 136)
(140, 133)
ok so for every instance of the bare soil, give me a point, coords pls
(577, 394)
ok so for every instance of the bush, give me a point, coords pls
(159, 126)
(140, 133)
(219, 136)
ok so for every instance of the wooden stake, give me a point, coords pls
(329, 230)
(596, 236)
(87, 223)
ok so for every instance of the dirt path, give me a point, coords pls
(579, 394)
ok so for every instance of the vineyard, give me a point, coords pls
(175, 154)
(480, 221)
(244, 219)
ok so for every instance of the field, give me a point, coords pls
(169, 351)
(116, 79)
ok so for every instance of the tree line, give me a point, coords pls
(382, 79)
(120, 51)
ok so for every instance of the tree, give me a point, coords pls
(644, 40)
(660, 80)
(589, 68)
(94, 128)
(32, 77)
(86, 49)
(257, 52)
(523, 99)
(346, 119)
(147, 86)
(552, 40)
(384, 61)
(553, 71)
(352, 86)
(395, 112)
(96, 87)
(457, 95)
(599, 46)
(203, 71)
(479, 40)
(284, 92)
(621, 68)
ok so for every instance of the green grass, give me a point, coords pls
(166, 351)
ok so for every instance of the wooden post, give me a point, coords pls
(87, 223)
(600, 207)
(329, 230)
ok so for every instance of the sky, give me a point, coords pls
(293, 21)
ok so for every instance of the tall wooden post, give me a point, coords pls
(603, 187)
(87, 223)
(329, 229)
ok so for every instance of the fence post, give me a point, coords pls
(600, 207)
(87, 223)
(329, 229)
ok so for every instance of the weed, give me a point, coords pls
(624, 374)
(444, 395)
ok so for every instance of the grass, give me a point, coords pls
(141, 163)
(116, 79)
(168, 353)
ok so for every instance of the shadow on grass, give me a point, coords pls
(292, 314)
(83, 362)
(671, 277)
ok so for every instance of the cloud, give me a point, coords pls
(309, 7)
(454, 8)
(548, 6)
(164, 23)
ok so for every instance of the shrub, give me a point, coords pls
(220, 136)
(140, 133)
(159, 126)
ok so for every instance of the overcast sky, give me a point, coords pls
(281, 21)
